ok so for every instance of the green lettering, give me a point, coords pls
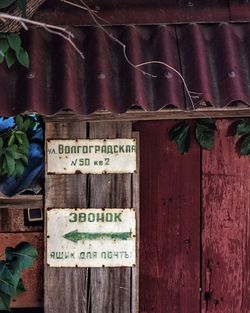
(91, 217)
(60, 149)
(109, 217)
(74, 218)
(117, 217)
(82, 217)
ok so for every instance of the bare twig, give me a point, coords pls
(110, 35)
(57, 30)
(95, 17)
(176, 72)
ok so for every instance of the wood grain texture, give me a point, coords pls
(110, 288)
(136, 205)
(12, 220)
(225, 231)
(164, 114)
(65, 289)
(21, 201)
(33, 276)
(169, 223)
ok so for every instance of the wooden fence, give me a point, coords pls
(194, 227)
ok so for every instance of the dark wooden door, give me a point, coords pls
(194, 225)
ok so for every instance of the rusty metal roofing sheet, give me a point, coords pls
(213, 59)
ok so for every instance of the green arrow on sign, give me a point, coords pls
(76, 236)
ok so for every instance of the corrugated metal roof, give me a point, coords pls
(213, 59)
(146, 11)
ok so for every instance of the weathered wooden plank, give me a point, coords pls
(65, 289)
(21, 201)
(33, 276)
(110, 288)
(164, 114)
(225, 231)
(12, 220)
(169, 223)
(136, 205)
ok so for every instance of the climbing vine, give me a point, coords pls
(14, 145)
(204, 131)
(11, 49)
(16, 260)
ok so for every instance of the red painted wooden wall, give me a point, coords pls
(194, 225)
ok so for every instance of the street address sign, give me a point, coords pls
(91, 156)
(91, 237)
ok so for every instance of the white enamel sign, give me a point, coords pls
(91, 156)
(91, 237)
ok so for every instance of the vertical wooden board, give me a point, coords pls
(33, 276)
(225, 230)
(136, 204)
(65, 289)
(169, 223)
(110, 288)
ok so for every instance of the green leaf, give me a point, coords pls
(19, 121)
(245, 146)
(204, 133)
(24, 148)
(6, 3)
(9, 278)
(14, 42)
(19, 169)
(4, 302)
(26, 125)
(21, 4)
(1, 57)
(10, 164)
(11, 139)
(243, 128)
(24, 252)
(4, 46)
(180, 133)
(1, 143)
(10, 58)
(23, 57)
(20, 288)
(25, 159)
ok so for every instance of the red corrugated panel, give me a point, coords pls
(214, 60)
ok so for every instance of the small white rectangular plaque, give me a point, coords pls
(91, 237)
(91, 156)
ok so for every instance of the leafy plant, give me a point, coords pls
(204, 133)
(20, 4)
(16, 260)
(14, 147)
(11, 50)
(243, 130)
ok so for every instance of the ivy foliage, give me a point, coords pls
(14, 146)
(203, 131)
(16, 260)
(20, 4)
(11, 50)
(243, 131)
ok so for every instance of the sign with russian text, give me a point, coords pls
(91, 156)
(91, 237)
